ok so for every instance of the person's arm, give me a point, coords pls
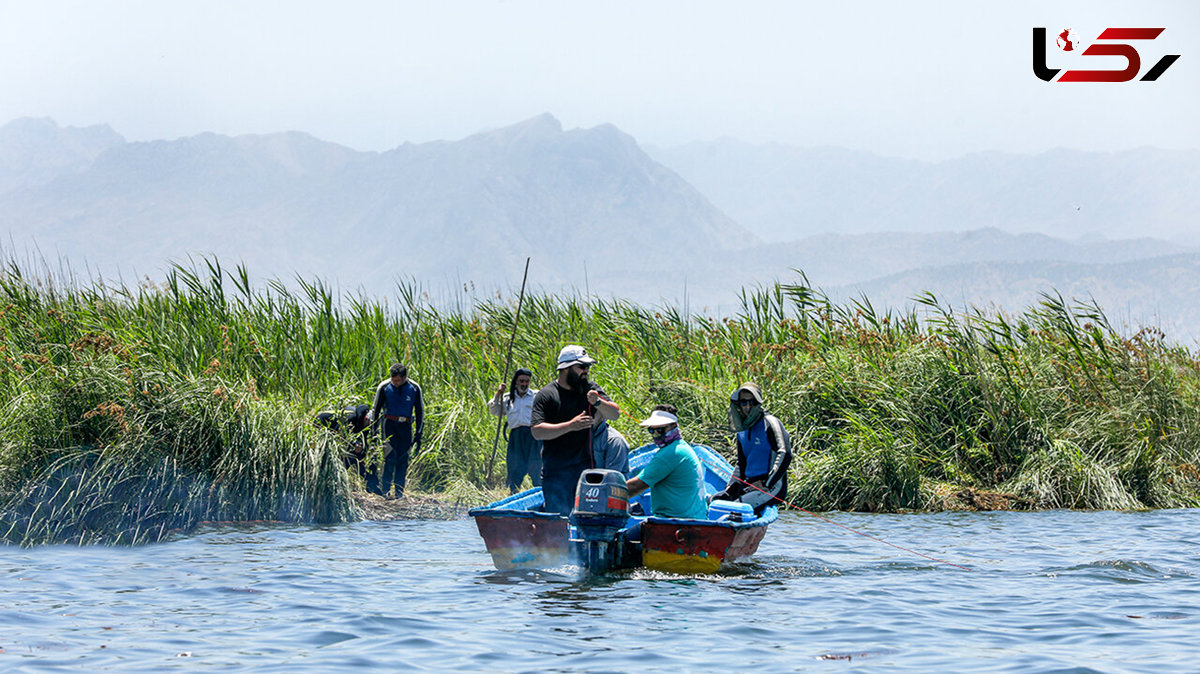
(654, 472)
(605, 408)
(735, 488)
(548, 431)
(782, 450)
(373, 417)
(739, 469)
(359, 426)
(496, 404)
(418, 416)
(635, 486)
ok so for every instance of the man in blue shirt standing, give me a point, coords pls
(403, 420)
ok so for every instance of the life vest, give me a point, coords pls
(757, 448)
(400, 401)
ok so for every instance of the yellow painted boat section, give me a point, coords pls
(661, 560)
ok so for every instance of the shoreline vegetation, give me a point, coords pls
(134, 413)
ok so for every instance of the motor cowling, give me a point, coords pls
(601, 510)
(601, 494)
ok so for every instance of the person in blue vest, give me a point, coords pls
(674, 475)
(402, 421)
(524, 456)
(764, 452)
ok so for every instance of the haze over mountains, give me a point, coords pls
(599, 214)
(782, 193)
(469, 210)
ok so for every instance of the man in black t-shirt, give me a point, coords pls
(562, 420)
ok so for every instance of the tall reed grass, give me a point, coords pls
(135, 411)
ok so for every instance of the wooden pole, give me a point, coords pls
(507, 364)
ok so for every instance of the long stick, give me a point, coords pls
(507, 364)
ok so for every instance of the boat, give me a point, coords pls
(518, 535)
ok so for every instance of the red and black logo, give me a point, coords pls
(1106, 45)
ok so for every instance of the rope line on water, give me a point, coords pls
(853, 531)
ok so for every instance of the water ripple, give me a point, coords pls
(1056, 591)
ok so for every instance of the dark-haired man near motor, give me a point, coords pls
(524, 456)
(562, 420)
(402, 419)
(764, 452)
(610, 449)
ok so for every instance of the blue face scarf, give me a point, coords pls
(666, 438)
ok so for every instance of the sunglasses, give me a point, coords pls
(746, 403)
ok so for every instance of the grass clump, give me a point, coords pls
(102, 450)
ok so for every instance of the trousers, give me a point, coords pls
(524, 457)
(398, 436)
(558, 486)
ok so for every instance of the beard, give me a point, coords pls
(577, 381)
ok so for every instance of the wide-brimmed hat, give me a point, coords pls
(659, 418)
(573, 354)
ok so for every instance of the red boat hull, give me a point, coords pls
(524, 542)
(688, 548)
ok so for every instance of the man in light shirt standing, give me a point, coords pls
(524, 455)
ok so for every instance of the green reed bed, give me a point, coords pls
(135, 411)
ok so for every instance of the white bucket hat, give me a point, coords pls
(659, 418)
(573, 354)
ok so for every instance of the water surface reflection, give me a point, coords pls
(1108, 591)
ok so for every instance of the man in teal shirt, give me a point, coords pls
(674, 473)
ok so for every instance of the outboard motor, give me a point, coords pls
(601, 510)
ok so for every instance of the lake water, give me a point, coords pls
(1050, 591)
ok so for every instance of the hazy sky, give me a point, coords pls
(917, 79)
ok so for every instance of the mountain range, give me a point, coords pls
(289, 203)
(782, 192)
(600, 214)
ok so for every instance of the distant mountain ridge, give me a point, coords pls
(1159, 292)
(596, 213)
(470, 209)
(837, 259)
(35, 151)
(784, 193)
